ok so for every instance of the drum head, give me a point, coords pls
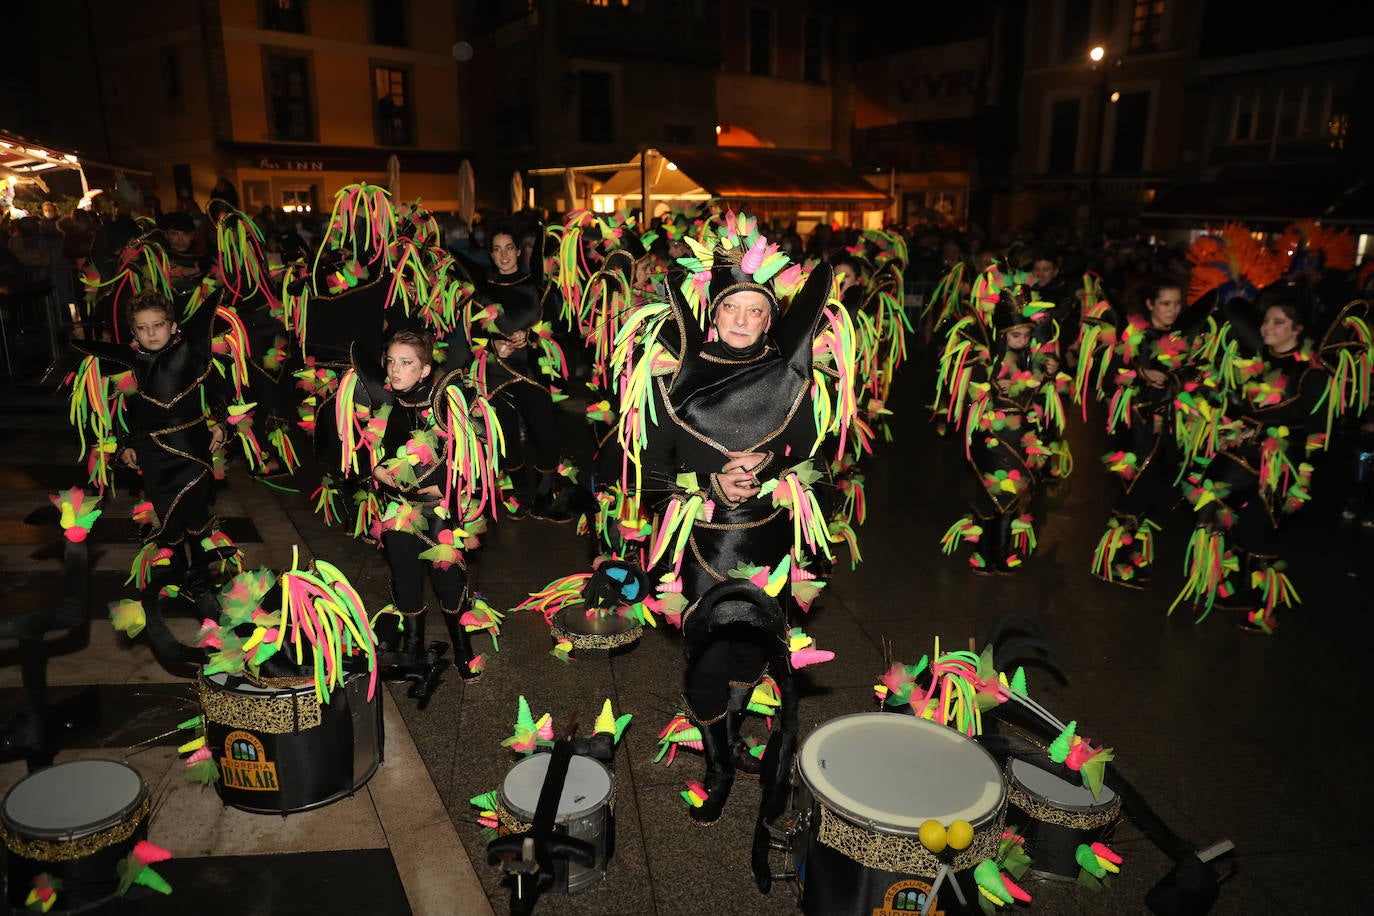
(890, 772)
(587, 788)
(1049, 787)
(73, 799)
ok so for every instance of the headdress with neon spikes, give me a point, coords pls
(362, 224)
(1017, 307)
(731, 256)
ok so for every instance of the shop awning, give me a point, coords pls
(1265, 202)
(760, 175)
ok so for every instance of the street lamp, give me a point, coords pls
(1094, 183)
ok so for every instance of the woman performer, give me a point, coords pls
(1156, 360)
(1258, 476)
(729, 469)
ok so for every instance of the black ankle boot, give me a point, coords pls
(720, 772)
(413, 638)
(745, 763)
(736, 706)
(996, 542)
(462, 645)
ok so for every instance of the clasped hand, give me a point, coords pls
(514, 342)
(738, 479)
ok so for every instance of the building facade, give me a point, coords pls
(1285, 126)
(1100, 138)
(288, 99)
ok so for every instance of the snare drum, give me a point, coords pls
(585, 812)
(1056, 816)
(75, 821)
(603, 630)
(280, 750)
(866, 782)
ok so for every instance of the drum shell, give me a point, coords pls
(833, 884)
(280, 751)
(593, 820)
(610, 633)
(84, 860)
(1056, 817)
(851, 865)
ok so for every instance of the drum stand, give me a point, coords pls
(528, 858)
(771, 840)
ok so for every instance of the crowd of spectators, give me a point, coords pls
(42, 252)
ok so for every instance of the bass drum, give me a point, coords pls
(280, 750)
(74, 821)
(865, 784)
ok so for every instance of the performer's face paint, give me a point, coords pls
(153, 329)
(1279, 332)
(1164, 308)
(505, 254)
(405, 367)
(742, 317)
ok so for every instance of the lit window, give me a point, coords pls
(1147, 25)
(297, 200)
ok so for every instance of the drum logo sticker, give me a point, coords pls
(907, 897)
(245, 764)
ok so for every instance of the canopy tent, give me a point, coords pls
(737, 175)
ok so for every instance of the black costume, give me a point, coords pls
(720, 399)
(165, 423)
(1146, 455)
(416, 412)
(517, 385)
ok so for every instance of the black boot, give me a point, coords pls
(549, 504)
(745, 763)
(391, 660)
(413, 638)
(996, 543)
(462, 645)
(720, 770)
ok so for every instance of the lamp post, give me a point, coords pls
(1094, 182)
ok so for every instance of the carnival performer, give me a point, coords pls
(1156, 360)
(431, 451)
(516, 361)
(1000, 383)
(1284, 393)
(170, 419)
(723, 436)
